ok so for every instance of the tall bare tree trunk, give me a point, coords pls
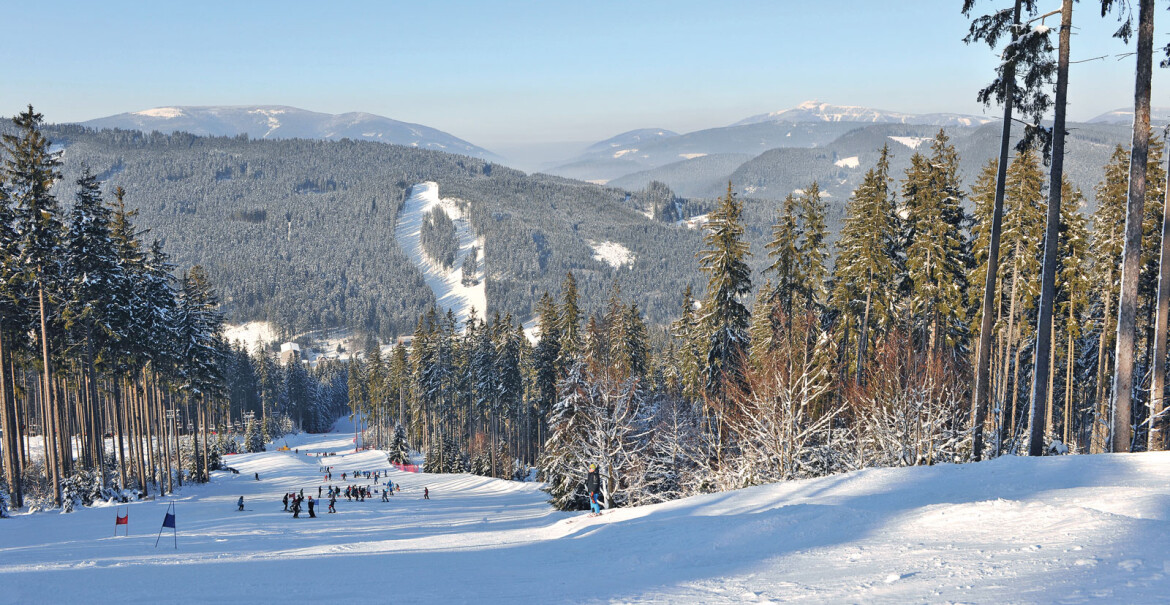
(8, 423)
(983, 356)
(49, 428)
(1131, 255)
(1040, 369)
(1157, 432)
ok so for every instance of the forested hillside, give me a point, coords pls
(301, 232)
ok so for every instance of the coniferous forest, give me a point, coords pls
(934, 320)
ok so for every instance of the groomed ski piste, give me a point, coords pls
(447, 284)
(1069, 529)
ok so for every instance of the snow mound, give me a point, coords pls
(612, 253)
(850, 162)
(447, 284)
(911, 142)
(161, 112)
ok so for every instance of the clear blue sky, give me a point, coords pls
(499, 73)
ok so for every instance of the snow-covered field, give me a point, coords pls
(447, 284)
(1068, 529)
(613, 254)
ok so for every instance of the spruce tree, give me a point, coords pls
(937, 252)
(726, 319)
(687, 333)
(548, 349)
(868, 256)
(30, 170)
(569, 327)
(784, 250)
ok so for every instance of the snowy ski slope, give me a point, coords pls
(1055, 530)
(447, 284)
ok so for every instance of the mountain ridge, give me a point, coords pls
(287, 122)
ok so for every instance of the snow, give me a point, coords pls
(850, 162)
(447, 284)
(1057, 529)
(911, 142)
(620, 153)
(695, 221)
(613, 254)
(254, 334)
(691, 156)
(161, 112)
(273, 122)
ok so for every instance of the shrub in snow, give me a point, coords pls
(253, 439)
(399, 452)
(907, 412)
(80, 488)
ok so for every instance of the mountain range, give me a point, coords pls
(283, 122)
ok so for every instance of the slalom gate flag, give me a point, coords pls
(122, 519)
(168, 522)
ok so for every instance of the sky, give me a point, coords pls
(511, 73)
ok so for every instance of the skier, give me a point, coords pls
(318, 492)
(257, 476)
(296, 509)
(384, 497)
(312, 515)
(426, 493)
(240, 504)
(285, 500)
(593, 487)
(332, 502)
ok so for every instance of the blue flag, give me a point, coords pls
(169, 521)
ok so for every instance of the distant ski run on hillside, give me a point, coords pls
(447, 284)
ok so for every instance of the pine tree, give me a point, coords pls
(868, 258)
(937, 252)
(686, 331)
(399, 452)
(93, 276)
(561, 461)
(569, 316)
(253, 439)
(725, 318)
(784, 250)
(30, 171)
(1108, 240)
(1073, 286)
(15, 326)
(548, 349)
(813, 257)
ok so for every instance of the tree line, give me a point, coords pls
(114, 372)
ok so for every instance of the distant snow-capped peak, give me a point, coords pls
(817, 111)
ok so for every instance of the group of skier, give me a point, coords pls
(295, 500)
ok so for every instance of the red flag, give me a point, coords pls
(123, 520)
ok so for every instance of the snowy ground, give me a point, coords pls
(445, 283)
(254, 334)
(1054, 530)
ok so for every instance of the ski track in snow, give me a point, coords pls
(447, 284)
(1063, 529)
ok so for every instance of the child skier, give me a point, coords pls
(240, 504)
(593, 488)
